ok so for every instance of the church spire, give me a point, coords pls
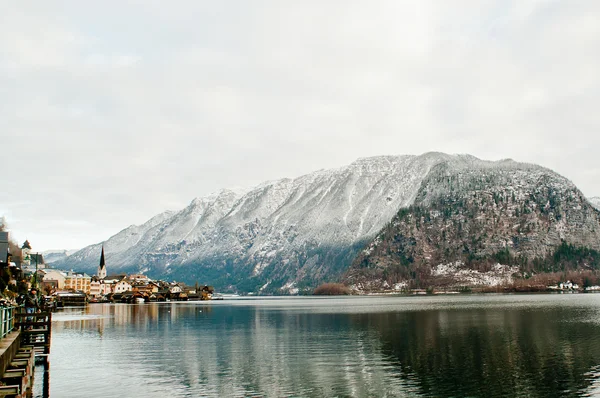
(102, 266)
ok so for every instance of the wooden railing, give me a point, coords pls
(7, 320)
(36, 329)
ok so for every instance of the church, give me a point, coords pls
(103, 284)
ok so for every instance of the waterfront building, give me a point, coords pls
(153, 287)
(176, 288)
(49, 287)
(95, 286)
(79, 282)
(115, 278)
(108, 284)
(123, 286)
(145, 287)
(107, 287)
(54, 277)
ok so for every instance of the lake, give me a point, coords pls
(545, 345)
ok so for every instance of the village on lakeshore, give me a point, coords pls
(23, 269)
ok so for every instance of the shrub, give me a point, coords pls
(331, 289)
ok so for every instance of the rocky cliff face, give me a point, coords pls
(478, 222)
(284, 234)
(595, 201)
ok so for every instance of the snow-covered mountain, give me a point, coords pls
(281, 233)
(478, 223)
(51, 256)
(287, 234)
(595, 201)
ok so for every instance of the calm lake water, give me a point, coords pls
(434, 346)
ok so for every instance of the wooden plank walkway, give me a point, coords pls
(27, 342)
(16, 380)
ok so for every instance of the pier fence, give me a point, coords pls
(7, 320)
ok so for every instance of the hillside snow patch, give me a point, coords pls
(499, 274)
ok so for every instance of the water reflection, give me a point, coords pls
(490, 346)
(492, 353)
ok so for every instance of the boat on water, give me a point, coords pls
(140, 300)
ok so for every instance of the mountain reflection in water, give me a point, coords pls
(505, 345)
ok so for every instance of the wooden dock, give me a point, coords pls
(36, 329)
(26, 343)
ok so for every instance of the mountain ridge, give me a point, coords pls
(287, 235)
(275, 222)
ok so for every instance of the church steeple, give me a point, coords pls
(102, 266)
(26, 253)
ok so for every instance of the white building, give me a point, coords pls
(123, 286)
(95, 287)
(175, 289)
(56, 276)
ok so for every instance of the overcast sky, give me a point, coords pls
(113, 111)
